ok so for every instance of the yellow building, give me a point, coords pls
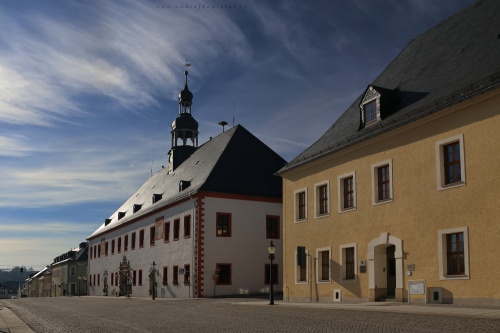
(400, 198)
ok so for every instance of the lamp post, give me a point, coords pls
(153, 280)
(271, 249)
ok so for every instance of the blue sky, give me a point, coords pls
(88, 91)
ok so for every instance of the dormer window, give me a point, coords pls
(137, 208)
(370, 111)
(121, 215)
(156, 198)
(377, 104)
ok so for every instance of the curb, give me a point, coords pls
(10, 323)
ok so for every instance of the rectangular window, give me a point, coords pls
(165, 276)
(223, 227)
(140, 277)
(99, 251)
(112, 279)
(98, 279)
(301, 264)
(133, 241)
(90, 252)
(321, 199)
(268, 274)
(454, 253)
(187, 276)
(106, 249)
(382, 182)
(125, 243)
(177, 223)
(301, 205)
(112, 246)
(224, 272)
(272, 227)
(384, 190)
(451, 156)
(119, 245)
(450, 162)
(349, 263)
(152, 236)
(323, 268)
(187, 226)
(175, 278)
(347, 192)
(141, 238)
(134, 278)
(370, 110)
(167, 232)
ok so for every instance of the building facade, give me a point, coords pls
(399, 199)
(199, 227)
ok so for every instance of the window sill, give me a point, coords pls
(454, 277)
(346, 210)
(325, 281)
(381, 202)
(301, 220)
(448, 186)
(322, 215)
(301, 282)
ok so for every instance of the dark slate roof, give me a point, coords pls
(454, 61)
(234, 162)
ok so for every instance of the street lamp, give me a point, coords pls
(271, 249)
(152, 276)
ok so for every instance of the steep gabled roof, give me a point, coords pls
(452, 62)
(234, 162)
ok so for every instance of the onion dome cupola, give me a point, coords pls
(184, 130)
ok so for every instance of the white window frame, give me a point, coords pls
(374, 169)
(342, 255)
(319, 264)
(72, 271)
(316, 199)
(440, 162)
(341, 191)
(297, 273)
(296, 205)
(442, 254)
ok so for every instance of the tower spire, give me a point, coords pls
(184, 129)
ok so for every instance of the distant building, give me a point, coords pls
(199, 227)
(400, 197)
(66, 276)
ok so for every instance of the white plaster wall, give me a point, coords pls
(178, 252)
(245, 250)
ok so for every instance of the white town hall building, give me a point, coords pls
(205, 221)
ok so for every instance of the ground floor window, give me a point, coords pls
(453, 253)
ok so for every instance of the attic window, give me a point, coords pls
(370, 111)
(107, 221)
(121, 215)
(370, 107)
(184, 184)
(156, 198)
(137, 208)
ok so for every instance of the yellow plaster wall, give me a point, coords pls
(418, 210)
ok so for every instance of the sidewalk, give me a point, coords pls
(10, 323)
(444, 310)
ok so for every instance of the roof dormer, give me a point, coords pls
(376, 104)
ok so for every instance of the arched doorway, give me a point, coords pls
(385, 268)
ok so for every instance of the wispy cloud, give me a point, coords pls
(43, 76)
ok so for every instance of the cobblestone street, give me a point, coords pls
(85, 314)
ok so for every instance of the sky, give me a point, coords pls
(88, 92)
